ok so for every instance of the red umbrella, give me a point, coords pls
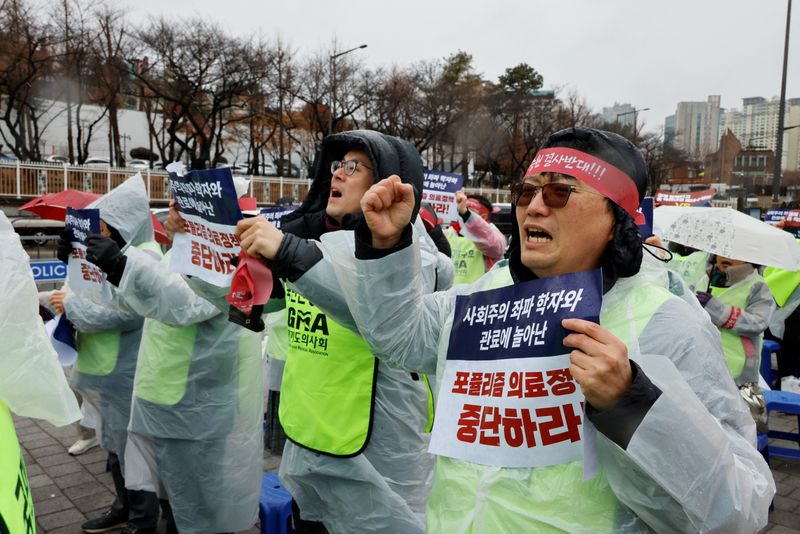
(54, 206)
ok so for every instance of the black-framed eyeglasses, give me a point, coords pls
(349, 166)
(554, 194)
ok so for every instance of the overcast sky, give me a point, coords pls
(648, 53)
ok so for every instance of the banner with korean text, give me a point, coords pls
(208, 202)
(276, 213)
(507, 397)
(439, 190)
(82, 275)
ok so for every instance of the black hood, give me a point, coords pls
(623, 255)
(388, 155)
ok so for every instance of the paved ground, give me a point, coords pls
(67, 490)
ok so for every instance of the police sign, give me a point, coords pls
(48, 270)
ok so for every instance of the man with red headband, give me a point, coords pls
(667, 444)
(475, 242)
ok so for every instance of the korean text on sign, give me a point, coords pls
(439, 190)
(507, 397)
(82, 275)
(208, 202)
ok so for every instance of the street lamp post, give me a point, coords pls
(776, 175)
(333, 83)
(634, 112)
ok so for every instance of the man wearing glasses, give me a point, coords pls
(670, 446)
(358, 428)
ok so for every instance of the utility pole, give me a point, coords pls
(776, 175)
(333, 83)
(634, 112)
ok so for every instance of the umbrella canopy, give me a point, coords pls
(54, 206)
(729, 233)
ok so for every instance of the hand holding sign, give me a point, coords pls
(387, 208)
(56, 301)
(461, 201)
(175, 224)
(258, 236)
(599, 362)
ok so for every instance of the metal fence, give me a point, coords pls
(25, 180)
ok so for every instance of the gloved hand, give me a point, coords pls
(63, 247)
(703, 297)
(105, 253)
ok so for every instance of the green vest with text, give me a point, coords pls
(468, 261)
(550, 499)
(16, 505)
(737, 348)
(328, 382)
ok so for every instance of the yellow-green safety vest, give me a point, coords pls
(468, 261)
(98, 352)
(782, 283)
(328, 382)
(738, 348)
(16, 505)
(546, 499)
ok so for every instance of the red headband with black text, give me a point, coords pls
(594, 172)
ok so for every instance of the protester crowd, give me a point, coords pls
(431, 379)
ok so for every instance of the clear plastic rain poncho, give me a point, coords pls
(32, 383)
(195, 429)
(690, 466)
(385, 488)
(108, 338)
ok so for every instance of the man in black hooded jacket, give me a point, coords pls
(356, 457)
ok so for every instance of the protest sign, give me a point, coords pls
(208, 203)
(507, 397)
(685, 198)
(82, 275)
(275, 213)
(439, 190)
(646, 209)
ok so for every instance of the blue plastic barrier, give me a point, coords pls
(274, 506)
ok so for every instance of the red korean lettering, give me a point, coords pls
(196, 254)
(498, 384)
(560, 417)
(460, 383)
(561, 382)
(515, 384)
(534, 385)
(475, 383)
(468, 423)
(490, 426)
(519, 427)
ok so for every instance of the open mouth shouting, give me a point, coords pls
(537, 236)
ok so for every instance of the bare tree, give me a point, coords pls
(198, 76)
(26, 62)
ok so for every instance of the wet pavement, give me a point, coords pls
(68, 490)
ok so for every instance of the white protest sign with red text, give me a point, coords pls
(507, 397)
(208, 203)
(439, 190)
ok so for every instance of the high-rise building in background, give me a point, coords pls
(694, 129)
(756, 125)
(624, 114)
